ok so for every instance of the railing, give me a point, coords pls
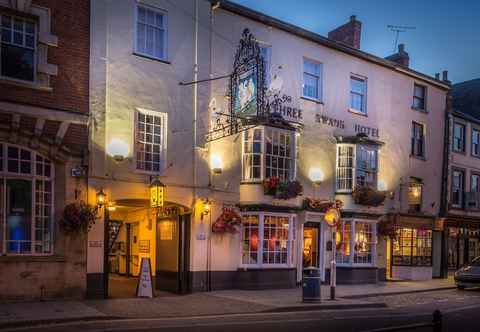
(472, 200)
(435, 324)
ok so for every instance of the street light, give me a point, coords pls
(101, 198)
(332, 218)
(156, 193)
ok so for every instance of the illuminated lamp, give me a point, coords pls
(157, 189)
(118, 149)
(316, 176)
(101, 198)
(216, 164)
(332, 217)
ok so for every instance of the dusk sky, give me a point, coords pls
(447, 34)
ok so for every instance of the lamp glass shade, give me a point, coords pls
(101, 197)
(332, 216)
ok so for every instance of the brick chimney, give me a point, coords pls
(401, 57)
(349, 33)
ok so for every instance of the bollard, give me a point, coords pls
(333, 278)
(437, 321)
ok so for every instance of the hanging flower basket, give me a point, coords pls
(320, 205)
(78, 217)
(364, 195)
(282, 190)
(227, 222)
(387, 227)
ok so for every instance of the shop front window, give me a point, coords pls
(267, 240)
(26, 202)
(267, 153)
(355, 242)
(412, 247)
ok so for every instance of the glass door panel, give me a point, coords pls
(18, 216)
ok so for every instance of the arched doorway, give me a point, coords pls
(136, 231)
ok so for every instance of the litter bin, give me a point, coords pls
(311, 285)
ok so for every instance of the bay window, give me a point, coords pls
(26, 202)
(357, 165)
(267, 240)
(412, 247)
(356, 242)
(268, 152)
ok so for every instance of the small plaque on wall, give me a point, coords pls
(144, 246)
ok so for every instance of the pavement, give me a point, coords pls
(166, 305)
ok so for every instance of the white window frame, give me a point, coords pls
(35, 43)
(165, 28)
(354, 166)
(33, 177)
(364, 110)
(424, 87)
(263, 153)
(351, 262)
(291, 240)
(163, 145)
(319, 78)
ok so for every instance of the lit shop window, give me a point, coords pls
(355, 243)
(18, 46)
(268, 153)
(26, 197)
(150, 141)
(357, 165)
(151, 39)
(412, 247)
(267, 240)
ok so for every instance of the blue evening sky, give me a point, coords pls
(447, 34)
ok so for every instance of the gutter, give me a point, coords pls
(321, 40)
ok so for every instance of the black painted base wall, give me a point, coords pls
(96, 286)
(243, 279)
(357, 275)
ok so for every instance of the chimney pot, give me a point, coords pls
(401, 48)
(437, 76)
(445, 75)
(353, 18)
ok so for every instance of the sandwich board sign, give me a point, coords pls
(144, 286)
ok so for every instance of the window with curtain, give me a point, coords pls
(267, 239)
(26, 199)
(151, 39)
(419, 94)
(357, 165)
(312, 79)
(18, 47)
(355, 242)
(366, 167)
(418, 140)
(358, 94)
(345, 165)
(458, 137)
(268, 152)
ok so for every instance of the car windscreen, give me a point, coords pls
(476, 262)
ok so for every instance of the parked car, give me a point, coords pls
(469, 275)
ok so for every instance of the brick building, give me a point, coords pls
(44, 103)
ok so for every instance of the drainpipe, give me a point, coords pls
(444, 193)
(194, 106)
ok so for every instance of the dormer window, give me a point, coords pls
(18, 46)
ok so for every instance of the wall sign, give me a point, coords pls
(336, 123)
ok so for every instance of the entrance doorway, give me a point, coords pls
(311, 245)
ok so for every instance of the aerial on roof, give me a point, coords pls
(319, 39)
(466, 98)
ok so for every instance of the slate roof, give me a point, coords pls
(466, 98)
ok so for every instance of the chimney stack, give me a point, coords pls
(445, 75)
(349, 33)
(401, 57)
(437, 76)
